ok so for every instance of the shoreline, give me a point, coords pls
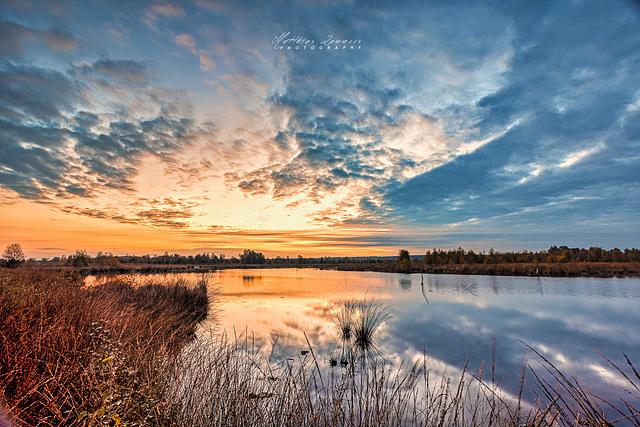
(582, 269)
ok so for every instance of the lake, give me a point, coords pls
(451, 318)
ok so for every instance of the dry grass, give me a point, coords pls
(568, 401)
(89, 356)
(124, 353)
(223, 382)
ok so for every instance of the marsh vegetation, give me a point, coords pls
(126, 352)
(77, 355)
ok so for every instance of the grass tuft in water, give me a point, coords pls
(357, 324)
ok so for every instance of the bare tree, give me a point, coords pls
(13, 255)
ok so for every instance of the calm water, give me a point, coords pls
(450, 317)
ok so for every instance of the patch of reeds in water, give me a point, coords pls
(357, 324)
(226, 382)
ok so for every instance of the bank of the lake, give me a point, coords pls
(77, 355)
(572, 269)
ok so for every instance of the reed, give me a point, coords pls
(226, 382)
(126, 353)
(568, 401)
(357, 324)
(72, 355)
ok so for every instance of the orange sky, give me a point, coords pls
(44, 231)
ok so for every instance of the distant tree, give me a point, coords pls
(632, 255)
(106, 259)
(404, 259)
(251, 257)
(13, 255)
(617, 255)
(403, 255)
(80, 259)
(595, 253)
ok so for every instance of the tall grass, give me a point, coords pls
(218, 381)
(89, 356)
(127, 353)
(568, 401)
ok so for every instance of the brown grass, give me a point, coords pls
(75, 355)
(124, 353)
(221, 382)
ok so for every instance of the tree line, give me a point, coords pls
(554, 254)
(14, 256)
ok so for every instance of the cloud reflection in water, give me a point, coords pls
(564, 319)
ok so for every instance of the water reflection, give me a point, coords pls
(405, 283)
(422, 290)
(451, 318)
(249, 280)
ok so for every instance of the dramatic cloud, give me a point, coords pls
(568, 98)
(54, 148)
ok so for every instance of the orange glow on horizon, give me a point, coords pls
(44, 231)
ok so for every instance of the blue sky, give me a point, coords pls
(505, 124)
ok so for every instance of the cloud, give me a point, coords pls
(165, 218)
(155, 13)
(519, 114)
(367, 119)
(561, 108)
(13, 37)
(35, 94)
(494, 120)
(60, 41)
(125, 71)
(168, 10)
(206, 63)
(66, 135)
(163, 213)
(187, 41)
(578, 156)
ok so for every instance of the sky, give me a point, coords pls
(318, 128)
